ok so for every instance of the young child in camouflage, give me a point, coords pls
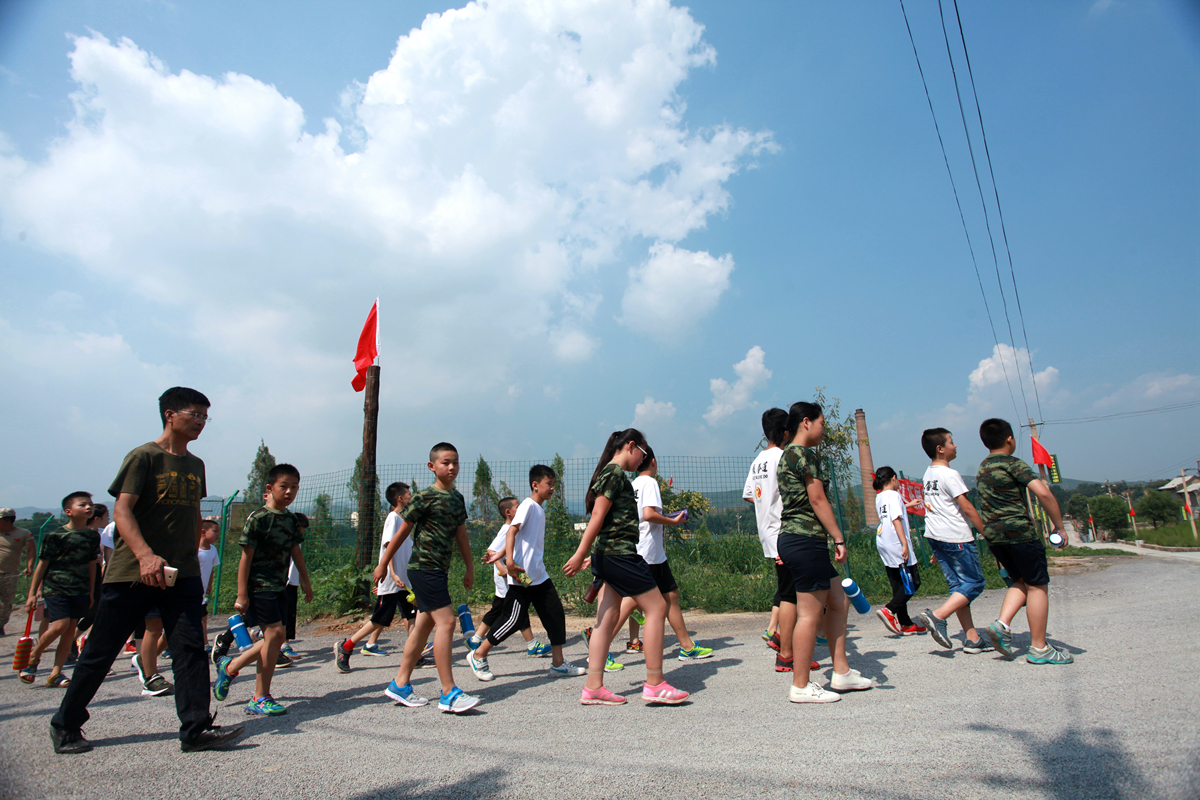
(66, 579)
(436, 518)
(1002, 480)
(271, 537)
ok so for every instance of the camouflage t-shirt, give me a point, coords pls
(1001, 481)
(435, 515)
(797, 516)
(67, 553)
(272, 535)
(619, 532)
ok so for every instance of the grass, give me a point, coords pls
(1088, 551)
(1177, 535)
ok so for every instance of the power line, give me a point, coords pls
(983, 203)
(961, 217)
(1122, 414)
(1000, 214)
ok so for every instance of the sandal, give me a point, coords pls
(58, 681)
(28, 675)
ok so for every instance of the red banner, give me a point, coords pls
(913, 490)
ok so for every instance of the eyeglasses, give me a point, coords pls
(639, 447)
(194, 415)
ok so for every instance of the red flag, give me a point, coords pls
(368, 348)
(1040, 454)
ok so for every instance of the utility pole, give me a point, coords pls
(1188, 503)
(367, 490)
(1041, 467)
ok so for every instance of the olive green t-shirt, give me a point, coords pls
(797, 515)
(1001, 481)
(167, 510)
(435, 515)
(68, 553)
(12, 550)
(272, 534)
(619, 531)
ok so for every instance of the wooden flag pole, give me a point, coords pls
(1187, 502)
(368, 489)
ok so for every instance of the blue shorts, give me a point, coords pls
(66, 606)
(432, 588)
(960, 564)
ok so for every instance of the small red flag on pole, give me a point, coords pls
(368, 348)
(1040, 454)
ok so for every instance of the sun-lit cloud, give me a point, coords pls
(673, 290)
(650, 412)
(752, 374)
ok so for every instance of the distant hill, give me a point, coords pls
(27, 512)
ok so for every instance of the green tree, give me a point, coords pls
(841, 437)
(852, 507)
(1158, 508)
(483, 506)
(256, 480)
(321, 522)
(558, 519)
(1111, 513)
(1077, 507)
(354, 487)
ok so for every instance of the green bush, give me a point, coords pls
(1177, 535)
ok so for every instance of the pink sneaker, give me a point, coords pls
(601, 697)
(664, 693)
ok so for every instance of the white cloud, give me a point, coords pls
(673, 290)
(651, 412)
(1160, 387)
(1102, 7)
(1007, 370)
(728, 399)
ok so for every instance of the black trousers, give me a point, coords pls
(293, 601)
(545, 600)
(122, 607)
(898, 605)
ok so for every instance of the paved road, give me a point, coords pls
(1119, 723)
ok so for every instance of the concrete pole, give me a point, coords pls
(866, 467)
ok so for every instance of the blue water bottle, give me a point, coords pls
(237, 626)
(1008, 581)
(855, 596)
(464, 620)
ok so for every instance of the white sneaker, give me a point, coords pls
(812, 694)
(479, 667)
(566, 670)
(852, 681)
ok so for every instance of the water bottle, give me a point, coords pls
(855, 596)
(1008, 581)
(1056, 539)
(237, 626)
(464, 620)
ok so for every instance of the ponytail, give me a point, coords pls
(616, 442)
(797, 414)
(883, 476)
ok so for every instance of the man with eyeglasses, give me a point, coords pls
(154, 565)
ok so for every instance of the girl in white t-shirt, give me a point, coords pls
(896, 549)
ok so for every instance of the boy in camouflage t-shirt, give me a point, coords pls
(1002, 480)
(66, 578)
(436, 518)
(270, 538)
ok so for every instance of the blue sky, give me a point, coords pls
(587, 217)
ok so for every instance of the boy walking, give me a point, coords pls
(66, 579)
(210, 534)
(494, 555)
(1015, 542)
(392, 589)
(528, 582)
(436, 518)
(158, 491)
(949, 516)
(270, 537)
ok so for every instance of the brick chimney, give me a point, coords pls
(866, 467)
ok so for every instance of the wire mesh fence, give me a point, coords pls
(716, 557)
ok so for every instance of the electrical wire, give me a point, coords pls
(1122, 414)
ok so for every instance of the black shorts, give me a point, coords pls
(66, 606)
(432, 588)
(154, 613)
(545, 600)
(785, 587)
(266, 608)
(628, 576)
(499, 606)
(807, 559)
(1025, 561)
(663, 577)
(385, 609)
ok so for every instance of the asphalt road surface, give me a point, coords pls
(1119, 723)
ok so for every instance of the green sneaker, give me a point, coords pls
(265, 706)
(224, 678)
(1001, 639)
(610, 665)
(1048, 655)
(695, 654)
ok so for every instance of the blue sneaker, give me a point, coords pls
(221, 684)
(404, 694)
(612, 665)
(1048, 655)
(473, 641)
(822, 640)
(536, 649)
(265, 706)
(1001, 638)
(456, 702)
(288, 651)
(373, 650)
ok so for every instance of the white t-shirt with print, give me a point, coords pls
(762, 486)
(391, 526)
(498, 544)
(944, 520)
(208, 559)
(650, 534)
(529, 549)
(890, 506)
(106, 535)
